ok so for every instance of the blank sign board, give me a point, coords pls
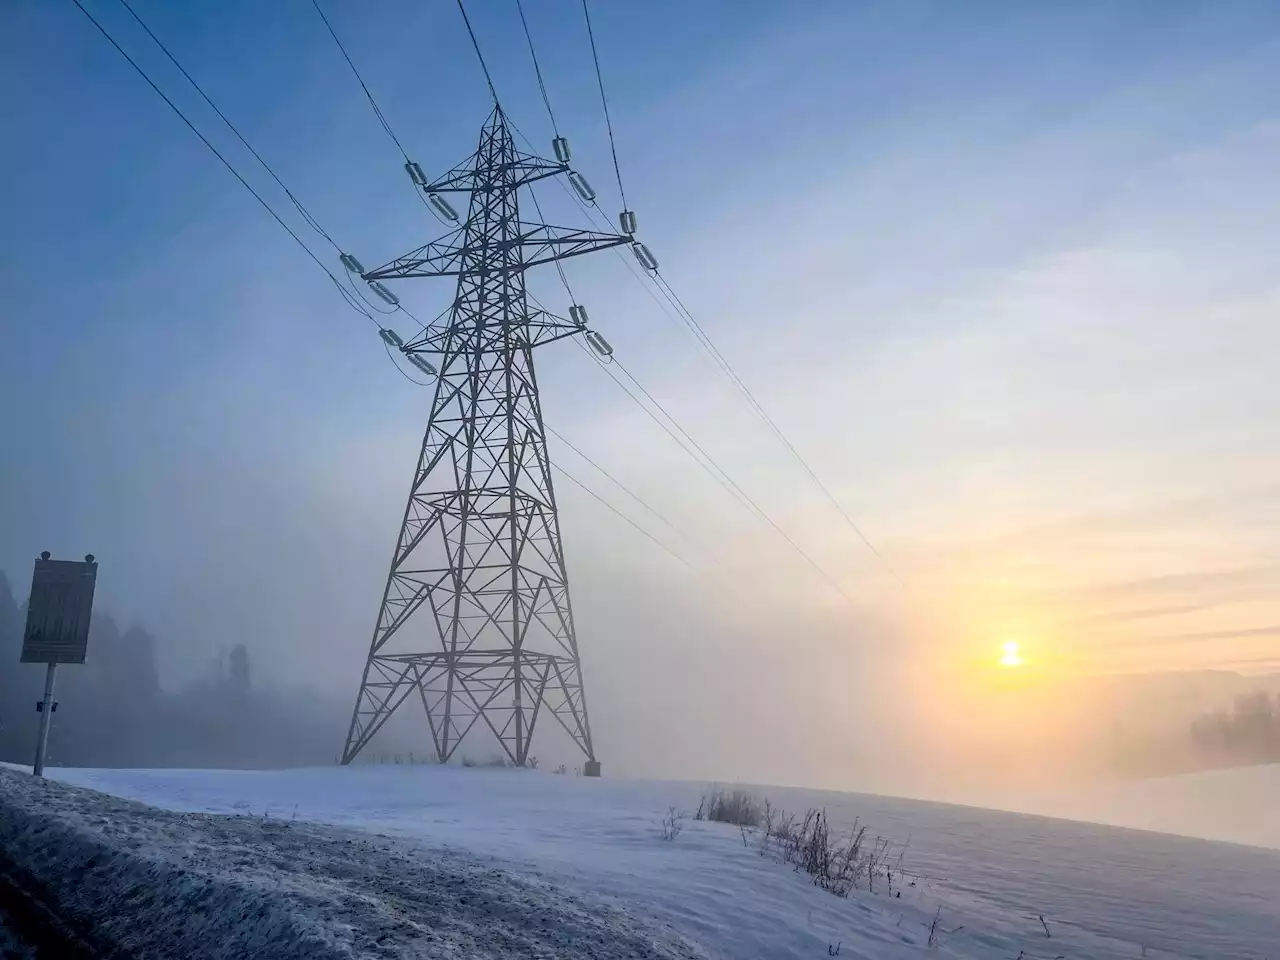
(58, 614)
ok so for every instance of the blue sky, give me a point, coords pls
(1004, 272)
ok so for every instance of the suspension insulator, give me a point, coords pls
(422, 364)
(561, 147)
(352, 264)
(583, 188)
(627, 220)
(390, 337)
(599, 344)
(443, 207)
(415, 173)
(643, 254)
(382, 291)
(578, 314)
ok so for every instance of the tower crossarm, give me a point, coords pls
(537, 243)
(542, 327)
(521, 169)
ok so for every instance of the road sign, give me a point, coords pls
(58, 612)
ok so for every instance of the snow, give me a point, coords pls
(11, 948)
(1103, 892)
(150, 884)
(1235, 806)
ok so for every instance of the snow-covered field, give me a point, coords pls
(1236, 806)
(1103, 892)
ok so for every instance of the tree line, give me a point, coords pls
(1247, 733)
(114, 711)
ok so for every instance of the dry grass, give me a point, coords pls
(738, 806)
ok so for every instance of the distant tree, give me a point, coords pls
(1249, 733)
(238, 681)
(114, 711)
(10, 620)
(138, 651)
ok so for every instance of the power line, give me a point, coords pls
(225, 162)
(711, 470)
(709, 464)
(776, 430)
(365, 303)
(536, 68)
(595, 496)
(306, 215)
(746, 496)
(377, 112)
(604, 102)
(479, 56)
(609, 476)
(687, 319)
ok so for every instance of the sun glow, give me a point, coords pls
(1012, 657)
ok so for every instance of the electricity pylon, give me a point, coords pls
(478, 561)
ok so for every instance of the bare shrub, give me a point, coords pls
(561, 770)
(738, 806)
(531, 762)
(671, 824)
(836, 864)
(935, 930)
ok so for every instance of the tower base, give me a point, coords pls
(591, 768)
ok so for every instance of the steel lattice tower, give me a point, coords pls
(479, 547)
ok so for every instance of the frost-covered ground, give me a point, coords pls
(1103, 892)
(11, 948)
(131, 881)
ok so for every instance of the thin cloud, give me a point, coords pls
(1146, 613)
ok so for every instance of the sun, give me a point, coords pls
(1012, 657)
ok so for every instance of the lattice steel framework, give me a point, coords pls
(478, 562)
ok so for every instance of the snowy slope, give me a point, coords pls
(1104, 892)
(132, 881)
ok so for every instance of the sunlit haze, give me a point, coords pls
(1004, 274)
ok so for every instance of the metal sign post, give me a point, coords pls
(57, 627)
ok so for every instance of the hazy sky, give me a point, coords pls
(1005, 273)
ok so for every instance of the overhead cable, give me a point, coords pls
(377, 111)
(773, 426)
(306, 215)
(608, 476)
(479, 56)
(709, 465)
(595, 496)
(604, 102)
(755, 507)
(676, 310)
(537, 69)
(225, 162)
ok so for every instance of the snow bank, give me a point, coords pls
(157, 884)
